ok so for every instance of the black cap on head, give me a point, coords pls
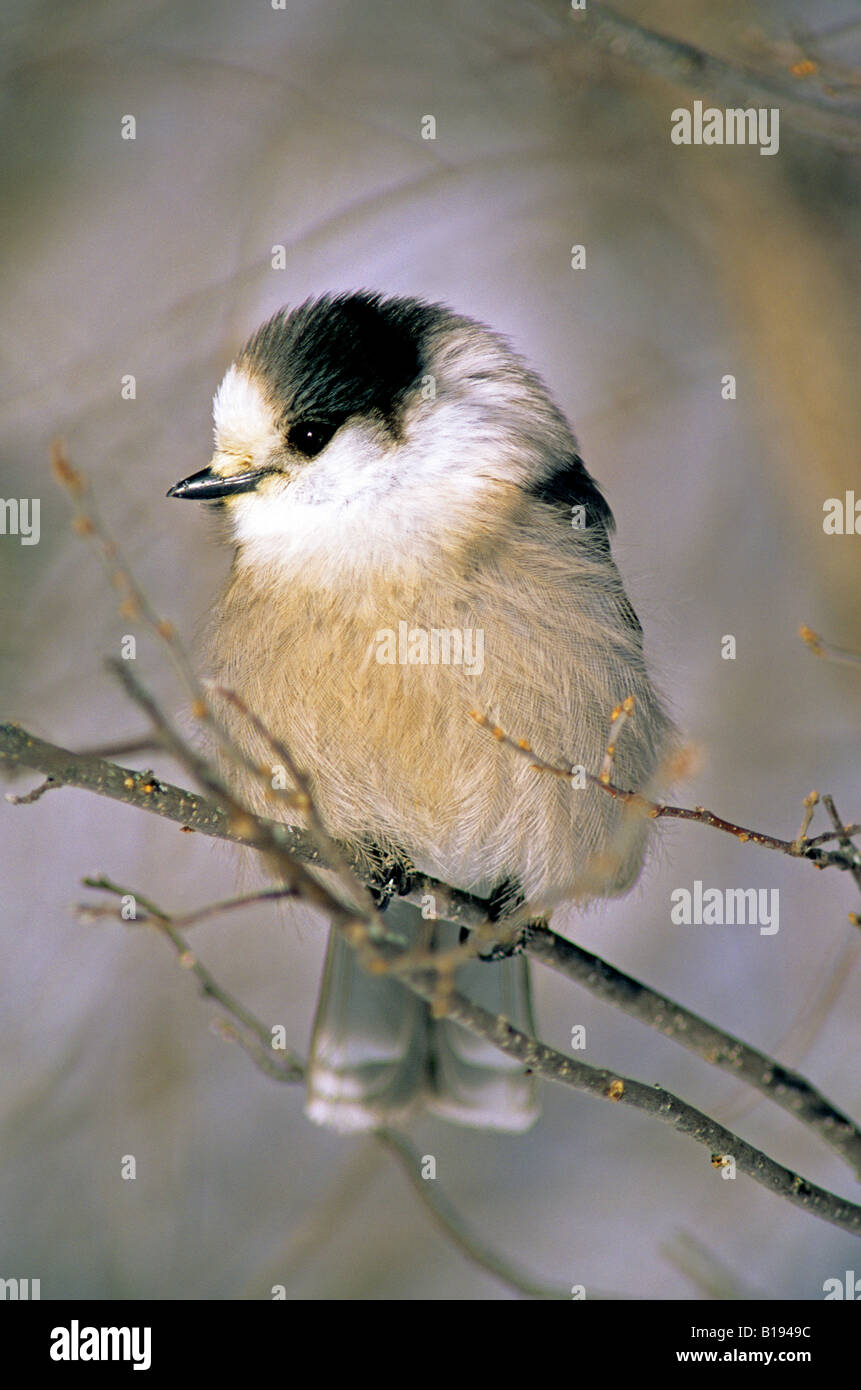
(341, 355)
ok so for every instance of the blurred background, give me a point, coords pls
(301, 127)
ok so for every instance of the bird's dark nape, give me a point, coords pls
(571, 485)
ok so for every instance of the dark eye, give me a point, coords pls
(310, 436)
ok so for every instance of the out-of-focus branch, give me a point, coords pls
(827, 650)
(453, 1226)
(827, 108)
(134, 603)
(256, 1039)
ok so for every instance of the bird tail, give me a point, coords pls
(377, 1056)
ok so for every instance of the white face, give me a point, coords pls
(369, 498)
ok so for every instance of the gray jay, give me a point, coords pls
(416, 538)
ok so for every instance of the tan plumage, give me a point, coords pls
(391, 749)
(387, 466)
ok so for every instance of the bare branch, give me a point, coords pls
(819, 107)
(255, 1038)
(842, 832)
(810, 803)
(787, 1089)
(35, 795)
(18, 748)
(792, 1092)
(820, 647)
(245, 1029)
(656, 810)
(145, 792)
(133, 602)
(545, 1061)
(845, 832)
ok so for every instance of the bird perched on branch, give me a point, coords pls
(416, 539)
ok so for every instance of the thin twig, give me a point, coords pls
(810, 803)
(618, 719)
(842, 832)
(35, 795)
(453, 1225)
(328, 848)
(657, 810)
(264, 895)
(828, 650)
(244, 1028)
(135, 604)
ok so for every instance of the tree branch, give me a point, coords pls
(784, 1088)
(820, 107)
(787, 1089)
(255, 1038)
(543, 1061)
(848, 859)
(652, 1100)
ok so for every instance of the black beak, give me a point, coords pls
(206, 486)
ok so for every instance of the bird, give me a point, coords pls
(416, 539)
